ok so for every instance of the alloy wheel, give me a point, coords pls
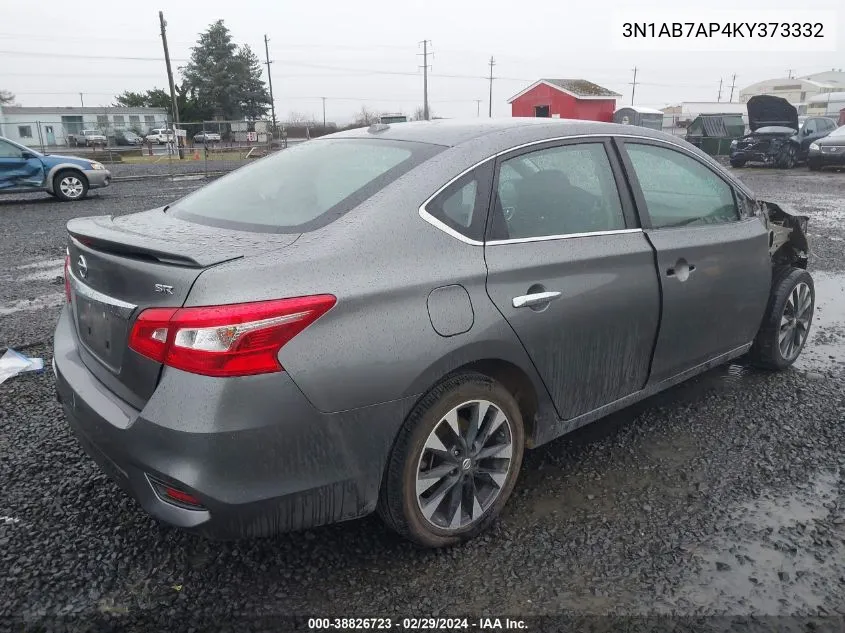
(795, 321)
(71, 186)
(464, 465)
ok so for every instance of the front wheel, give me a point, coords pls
(737, 163)
(787, 158)
(455, 462)
(786, 324)
(70, 185)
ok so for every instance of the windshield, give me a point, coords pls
(304, 187)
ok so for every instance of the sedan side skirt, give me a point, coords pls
(562, 427)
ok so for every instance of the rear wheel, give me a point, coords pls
(786, 324)
(455, 462)
(70, 185)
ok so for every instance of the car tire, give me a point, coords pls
(70, 185)
(787, 321)
(455, 486)
(813, 166)
(737, 164)
(788, 158)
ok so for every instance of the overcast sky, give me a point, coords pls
(349, 53)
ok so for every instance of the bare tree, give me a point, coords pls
(366, 117)
(419, 114)
(299, 118)
(6, 97)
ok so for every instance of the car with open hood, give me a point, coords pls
(777, 137)
(828, 151)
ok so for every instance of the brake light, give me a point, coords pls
(67, 277)
(229, 340)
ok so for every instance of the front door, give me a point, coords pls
(17, 171)
(572, 273)
(714, 265)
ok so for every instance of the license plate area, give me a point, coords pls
(101, 330)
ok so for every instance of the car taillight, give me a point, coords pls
(67, 277)
(229, 340)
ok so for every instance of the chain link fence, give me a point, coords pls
(159, 148)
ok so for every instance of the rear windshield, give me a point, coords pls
(304, 187)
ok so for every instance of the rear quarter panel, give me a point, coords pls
(381, 261)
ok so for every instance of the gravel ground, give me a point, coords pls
(723, 496)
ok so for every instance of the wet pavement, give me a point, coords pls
(722, 496)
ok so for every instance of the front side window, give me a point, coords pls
(678, 190)
(304, 187)
(557, 191)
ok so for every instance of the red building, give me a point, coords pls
(565, 99)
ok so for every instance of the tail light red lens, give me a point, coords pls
(229, 340)
(67, 277)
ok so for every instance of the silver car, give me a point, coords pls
(386, 318)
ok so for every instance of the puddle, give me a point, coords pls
(777, 561)
(826, 347)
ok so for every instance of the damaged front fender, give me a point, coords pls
(788, 243)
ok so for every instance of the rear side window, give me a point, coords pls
(558, 191)
(304, 187)
(678, 190)
(462, 206)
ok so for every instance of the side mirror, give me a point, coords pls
(27, 155)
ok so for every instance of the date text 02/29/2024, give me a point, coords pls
(418, 624)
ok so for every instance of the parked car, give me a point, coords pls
(127, 137)
(828, 151)
(88, 138)
(23, 170)
(777, 136)
(385, 318)
(207, 137)
(161, 136)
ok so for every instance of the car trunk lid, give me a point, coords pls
(121, 266)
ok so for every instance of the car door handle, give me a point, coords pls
(536, 299)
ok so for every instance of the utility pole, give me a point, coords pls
(490, 105)
(789, 73)
(170, 80)
(634, 85)
(719, 96)
(733, 85)
(425, 44)
(324, 111)
(478, 107)
(270, 82)
(81, 102)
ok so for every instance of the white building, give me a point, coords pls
(51, 126)
(829, 104)
(797, 90)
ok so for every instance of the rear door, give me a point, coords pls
(714, 265)
(571, 271)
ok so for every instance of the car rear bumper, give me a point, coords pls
(98, 178)
(254, 451)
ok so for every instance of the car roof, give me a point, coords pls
(453, 132)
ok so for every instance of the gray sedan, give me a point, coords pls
(384, 319)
